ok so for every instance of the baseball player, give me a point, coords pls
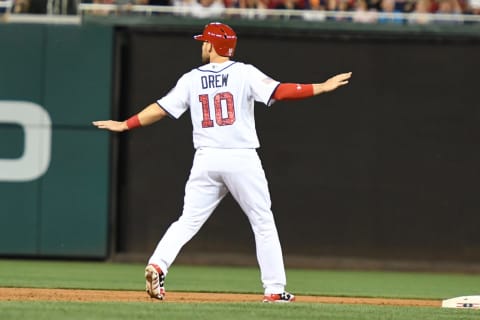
(220, 95)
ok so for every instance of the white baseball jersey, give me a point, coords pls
(221, 99)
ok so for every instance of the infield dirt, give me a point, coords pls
(37, 294)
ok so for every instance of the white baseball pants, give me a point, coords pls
(214, 173)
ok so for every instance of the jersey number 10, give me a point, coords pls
(225, 98)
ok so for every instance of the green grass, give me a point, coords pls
(221, 311)
(119, 276)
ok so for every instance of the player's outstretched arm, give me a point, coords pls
(293, 91)
(147, 116)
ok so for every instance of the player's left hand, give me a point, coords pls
(117, 126)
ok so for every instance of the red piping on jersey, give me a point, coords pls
(291, 91)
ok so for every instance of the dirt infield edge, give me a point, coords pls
(74, 295)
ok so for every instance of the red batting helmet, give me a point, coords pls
(221, 36)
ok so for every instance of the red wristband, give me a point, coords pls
(133, 122)
(286, 91)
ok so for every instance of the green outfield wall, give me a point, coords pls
(54, 166)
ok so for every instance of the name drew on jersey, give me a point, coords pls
(214, 81)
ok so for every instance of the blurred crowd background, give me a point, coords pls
(360, 11)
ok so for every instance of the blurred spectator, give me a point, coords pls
(3, 10)
(125, 7)
(21, 6)
(207, 9)
(363, 14)
(341, 6)
(420, 13)
(137, 2)
(59, 6)
(375, 4)
(183, 5)
(449, 7)
(288, 4)
(390, 7)
(17, 6)
(253, 4)
(474, 6)
(316, 5)
(316, 12)
(405, 6)
(159, 2)
(27, 6)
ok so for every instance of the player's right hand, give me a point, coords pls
(117, 126)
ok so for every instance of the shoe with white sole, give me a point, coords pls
(279, 297)
(155, 281)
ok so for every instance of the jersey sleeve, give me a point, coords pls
(261, 85)
(176, 102)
